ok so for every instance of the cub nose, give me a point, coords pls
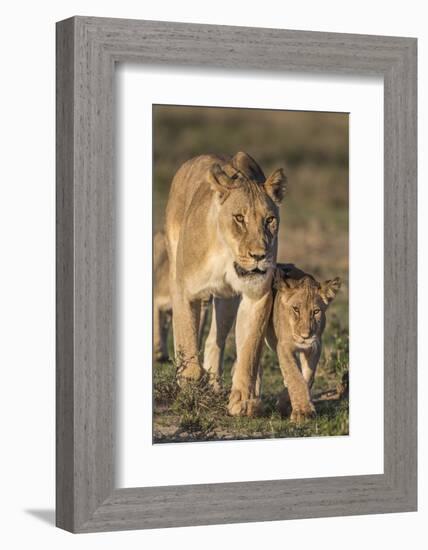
(257, 257)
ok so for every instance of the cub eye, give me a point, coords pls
(316, 311)
(270, 219)
(239, 218)
(295, 309)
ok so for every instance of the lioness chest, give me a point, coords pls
(213, 277)
(217, 277)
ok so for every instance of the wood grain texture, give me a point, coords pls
(64, 277)
(87, 49)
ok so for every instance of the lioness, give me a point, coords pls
(295, 330)
(221, 228)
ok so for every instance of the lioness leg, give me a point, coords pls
(186, 326)
(223, 315)
(297, 388)
(251, 321)
(205, 304)
(161, 323)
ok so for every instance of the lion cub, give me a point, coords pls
(295, 330)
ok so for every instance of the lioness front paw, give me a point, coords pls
(216, 386)
(191, 373)
(243, 407)
(302, 413)
(215, 382)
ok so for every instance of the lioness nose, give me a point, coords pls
(258, 257)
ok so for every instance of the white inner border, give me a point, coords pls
(140, 463)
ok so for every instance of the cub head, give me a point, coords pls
(248, 213)
(303, 301)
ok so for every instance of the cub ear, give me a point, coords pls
(275, 185)
(329, 289)
(220, 182)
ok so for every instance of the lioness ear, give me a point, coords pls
(329, 289)
(275, 185)
(281, 279)
(246, 164)
(279, 282)
(220, 182)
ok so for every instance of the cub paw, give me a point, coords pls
(244, 407)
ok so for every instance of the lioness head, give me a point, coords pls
(303, 301)
(248, 213)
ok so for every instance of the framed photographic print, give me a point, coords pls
(236, 274)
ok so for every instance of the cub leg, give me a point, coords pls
(298, 389)
(223, 316)
(185, 319)
(251, 322)
(309, 362)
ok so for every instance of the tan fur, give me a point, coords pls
(162, 306)
(297, 339)
(221, 232)
(295, 332)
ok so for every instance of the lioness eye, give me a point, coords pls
(295, 309)
(270, 219)
(239, 218)
(316, 311)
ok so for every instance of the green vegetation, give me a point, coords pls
(313, 234)
(195, 413)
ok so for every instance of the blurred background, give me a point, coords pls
(313, 147)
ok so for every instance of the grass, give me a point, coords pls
(313, 234)
(196, 413)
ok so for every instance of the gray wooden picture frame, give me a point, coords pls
(87, 50)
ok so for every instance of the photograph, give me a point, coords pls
(250, 273)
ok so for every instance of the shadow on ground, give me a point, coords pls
(46, 515)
